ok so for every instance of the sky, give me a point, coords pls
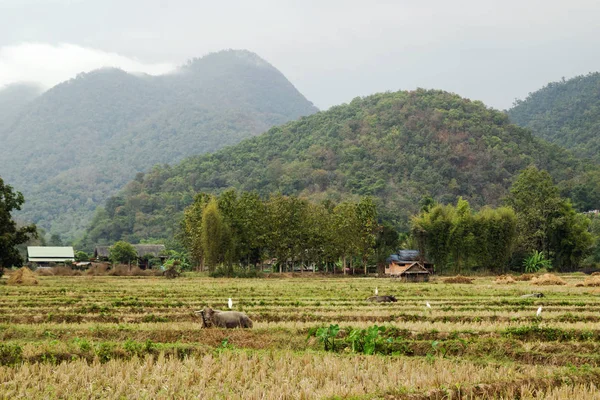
(331, 50)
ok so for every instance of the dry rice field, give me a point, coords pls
(96, 337)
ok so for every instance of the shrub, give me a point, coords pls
(536, 261)
(10, 354)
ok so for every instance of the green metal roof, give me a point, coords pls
(48, 252)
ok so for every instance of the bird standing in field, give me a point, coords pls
(539, 312)
(230, 303)
(428, 305)
(376, 291)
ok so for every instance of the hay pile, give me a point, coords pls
(548, 279)
(459, 279)
(23, 276)
(524, 277)
(592, 281)
(57, 271)
(505, 280)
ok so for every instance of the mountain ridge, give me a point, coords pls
(397, 147)
(566, 112)
(81, 140)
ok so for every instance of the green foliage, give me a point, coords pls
(536, 261)
(242, 230)
(455, 235)
(546, 222)
(10, 235)
(395, 147)
(10, 354)
(82, 256)
(565, 112)
(116, 124)
(215, 235)
(122, 252)
(327, 335)
(366, 340)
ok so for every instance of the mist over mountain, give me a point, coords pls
(72, 147)
(13, 98)
(566, 113)
(397, 147)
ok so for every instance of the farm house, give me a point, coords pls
(46, 255)
(408, 265)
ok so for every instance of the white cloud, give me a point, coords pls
(49, 65)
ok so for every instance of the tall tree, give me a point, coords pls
(10, 235)
(366, 218)
(537, 203)
(346, 228)
(547, 222)
(496, 235)
(215, 235)
(432, 229)
(191, 229)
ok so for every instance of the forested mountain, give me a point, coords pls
(13, 98)
(74, 146)
(398, 147)
(566, 113)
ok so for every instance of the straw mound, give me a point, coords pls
(97, 269)
(595, 273)
(134, 270)
(57, 271)
(23, 276)
(524, 277)
(505, 280)
(548, 279)
(459, 279)
(592, 281)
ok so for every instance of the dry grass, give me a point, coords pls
(505, 280)
(524, 277)
(548, 280)
(257, 375)
(459, 279)
(592, 281)
(71, 318)
(58, 271)
(22, 276)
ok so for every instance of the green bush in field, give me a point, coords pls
(10, 354)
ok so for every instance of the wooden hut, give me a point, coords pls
(409, 266)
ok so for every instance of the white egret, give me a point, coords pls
(230, 303)
(376, 291)
(539, 311)
(427, 304)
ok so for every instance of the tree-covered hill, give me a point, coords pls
(566, 113)
(78, 143)
(398, 147)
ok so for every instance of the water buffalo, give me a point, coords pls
(538, 295)
(224, 319)
(382, 299)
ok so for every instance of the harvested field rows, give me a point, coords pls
(138, 337)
